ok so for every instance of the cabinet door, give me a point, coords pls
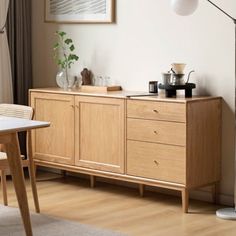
(99, 133)
(56, 143)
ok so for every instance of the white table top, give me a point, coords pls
(10, 124)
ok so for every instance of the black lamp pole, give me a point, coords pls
(227, 213)
(233, 19)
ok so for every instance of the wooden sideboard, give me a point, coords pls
(173, 143)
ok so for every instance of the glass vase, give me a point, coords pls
(65, 80)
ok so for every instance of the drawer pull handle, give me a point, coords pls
(155, 111)
(155, 132)
(72, 106)
(156, 162)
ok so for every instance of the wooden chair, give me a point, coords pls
(24, 112)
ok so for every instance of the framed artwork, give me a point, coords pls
(80, 11)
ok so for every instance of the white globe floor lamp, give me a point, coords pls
(184, 8)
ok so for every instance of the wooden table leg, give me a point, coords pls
(14, 160)
(4, 187)
(32, 172)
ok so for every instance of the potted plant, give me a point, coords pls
(64, 57)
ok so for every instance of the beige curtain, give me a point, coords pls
(6, 95)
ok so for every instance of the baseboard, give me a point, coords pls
(206, 196)
(201, 194)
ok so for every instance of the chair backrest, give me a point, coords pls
(18, 111)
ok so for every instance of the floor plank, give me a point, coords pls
(120, 208)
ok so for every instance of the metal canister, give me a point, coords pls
(153, 87)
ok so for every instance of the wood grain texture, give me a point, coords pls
(203, 142)
(157, 161)
(4, 187)
(103, 89)
(162, 142)
(13, 156)
(108, 205)
(156, 110)
(92, 181)
(185, 200)
(119, 208)
(112, 175)
(141, 190)
(99, 139)
(57, 142)
(156, 131)
(32, 171)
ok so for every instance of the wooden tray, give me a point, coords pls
(91, 88)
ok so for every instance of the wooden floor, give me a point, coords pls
(120, 208)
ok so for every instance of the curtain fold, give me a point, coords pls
(6, 95)
(19, 38)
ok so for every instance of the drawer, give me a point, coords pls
(156, 161)
(156, 110)
(156, 131)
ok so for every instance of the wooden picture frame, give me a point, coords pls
(89, 11)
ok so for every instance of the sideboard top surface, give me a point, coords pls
(132, 95)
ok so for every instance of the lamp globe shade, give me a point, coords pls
(184, 7)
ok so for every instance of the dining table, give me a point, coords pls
(9, 128)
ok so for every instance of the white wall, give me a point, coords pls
(146, 39)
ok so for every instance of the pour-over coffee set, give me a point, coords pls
(175, 80)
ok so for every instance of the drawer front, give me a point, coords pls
(156, 161)
(156, 110)
(156, 131)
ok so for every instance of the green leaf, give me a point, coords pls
(68, 41)
(56, 46)
(59, 62)
(74, 57)
(69, 64)
(72, 47)
(62, 49)
(61, 33)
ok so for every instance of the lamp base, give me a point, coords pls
(226, 213)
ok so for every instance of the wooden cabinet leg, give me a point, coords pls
(35, 171)
(92, 181)
(4, 187)
(215, 193)
(14, 160)
(63, 172)
(185, 200)
(141, 190)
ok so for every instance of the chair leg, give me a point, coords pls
(32, 174)
(4, 187)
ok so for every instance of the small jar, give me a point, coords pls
(153, 87)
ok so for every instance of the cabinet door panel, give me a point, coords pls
(100, 133)
(56, 143)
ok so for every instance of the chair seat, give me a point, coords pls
(3, 156)
(4, 163)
